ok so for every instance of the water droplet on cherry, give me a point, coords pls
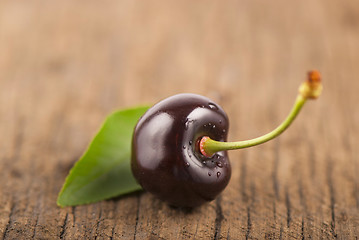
(186, 124)
(218, 174)
(213, 106)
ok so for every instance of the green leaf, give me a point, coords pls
(104, 171)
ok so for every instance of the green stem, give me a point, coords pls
(211, 146)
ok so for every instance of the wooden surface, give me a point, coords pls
(65, 65)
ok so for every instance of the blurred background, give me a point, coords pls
(71, 59)
(65, 65)
(109, 55)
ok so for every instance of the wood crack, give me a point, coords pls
(219, 218)
(38, 211)
(302, 229)
(73, 216)
(288, 206)
(275, 170)
(63, 227)
(113, 228)
(303, 204)
(98, 223)
(36, 223)
(281, 232)
(9, 222)
(249, 223)
(331, 196)
(137, 216)
(112, 233)
(249, 219)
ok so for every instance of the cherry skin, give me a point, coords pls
(166, 160)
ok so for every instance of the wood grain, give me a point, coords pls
(65, 65)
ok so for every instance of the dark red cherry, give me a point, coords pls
(179, 146)
(166, 160)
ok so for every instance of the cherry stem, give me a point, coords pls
(310, 89)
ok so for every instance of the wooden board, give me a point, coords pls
(65, 65)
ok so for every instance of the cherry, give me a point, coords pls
(166, 160)
(179, 146)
